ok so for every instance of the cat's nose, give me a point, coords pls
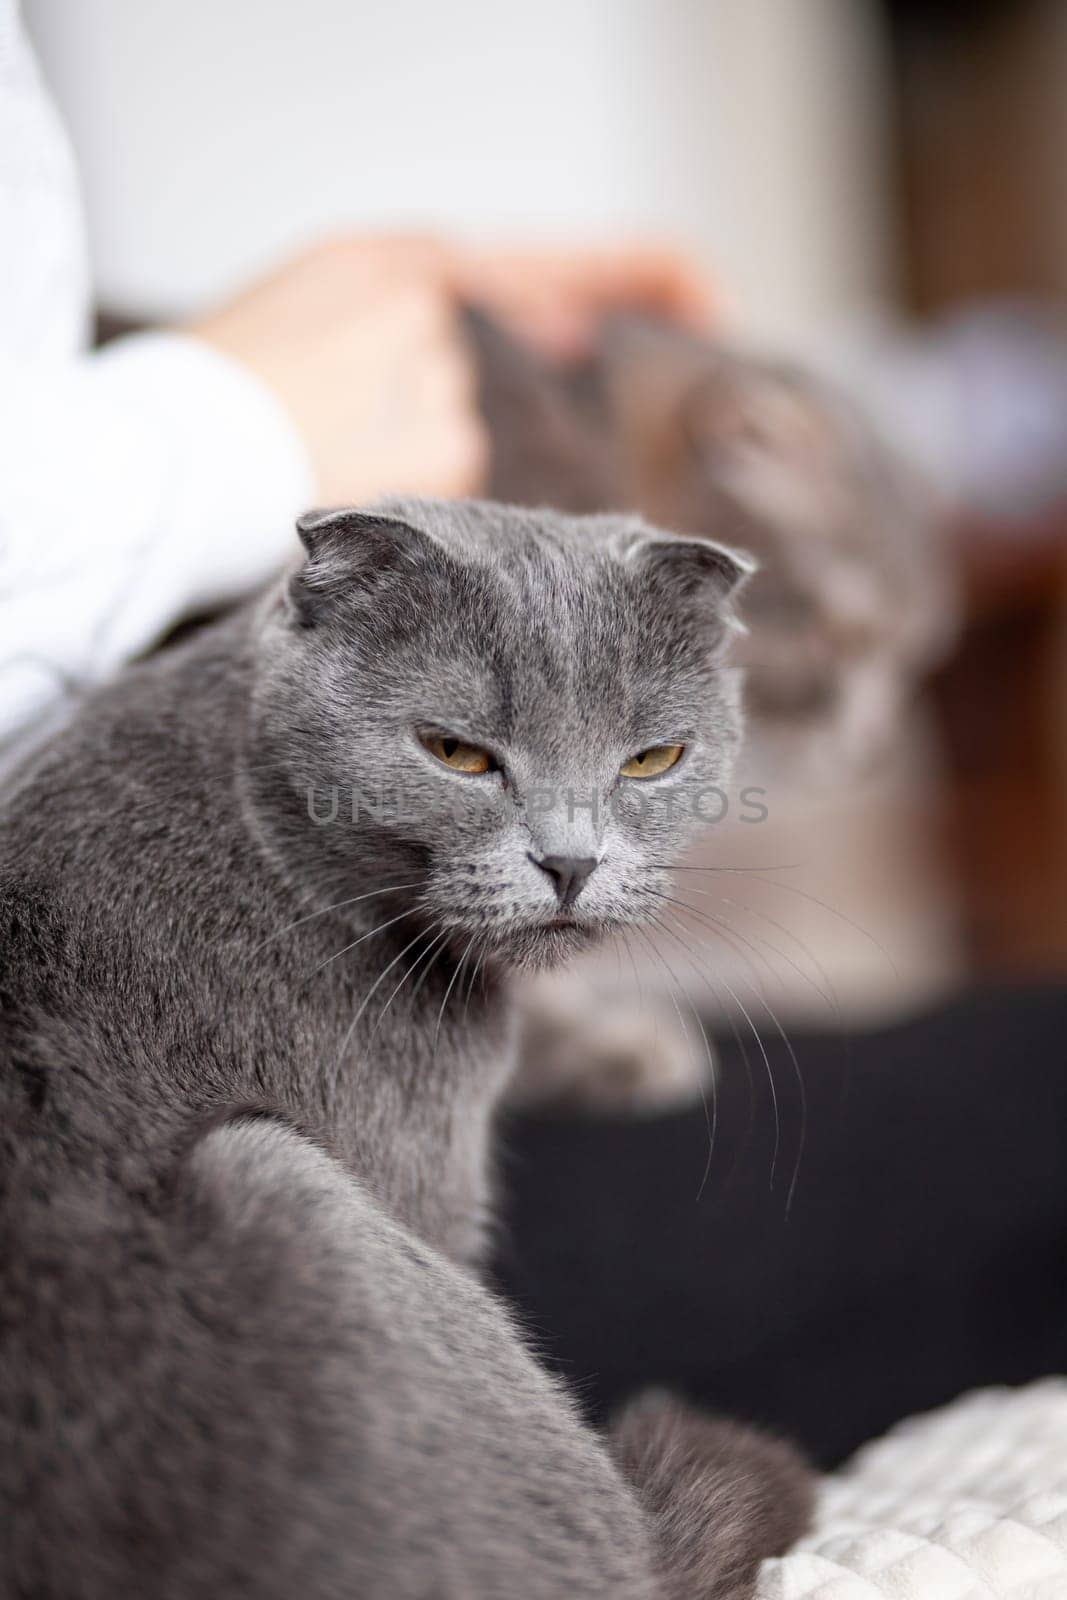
(568, 874)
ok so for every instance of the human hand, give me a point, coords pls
(361, 341)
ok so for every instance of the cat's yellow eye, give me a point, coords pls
(457, 755)
(650, 763)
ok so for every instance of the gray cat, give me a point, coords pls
(257, 910)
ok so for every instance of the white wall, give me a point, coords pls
(216, 134)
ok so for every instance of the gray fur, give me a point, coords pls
(680, 1463)
(245, 1177)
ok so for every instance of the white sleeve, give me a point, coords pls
(137, 485)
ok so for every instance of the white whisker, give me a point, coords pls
(767, 1068)
(370, 995)
(772, 1014)
(712, 1122)
(361, 940)
(451, 984)
(338, 905)
(403, 978)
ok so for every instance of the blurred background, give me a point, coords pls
(215, 140)
(878, 185)
(880, 188)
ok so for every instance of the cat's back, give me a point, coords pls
(110, 845)
(136, 754)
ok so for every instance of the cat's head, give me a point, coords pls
(529, 715)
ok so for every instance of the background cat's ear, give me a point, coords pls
(349, 551)
(758, 410)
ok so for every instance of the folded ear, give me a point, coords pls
(695, 567)
(351, 552)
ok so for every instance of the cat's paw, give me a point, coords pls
(611, 1058)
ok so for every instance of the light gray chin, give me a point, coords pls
(540, 949)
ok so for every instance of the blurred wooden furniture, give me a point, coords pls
(1001, 706)
(979, 119)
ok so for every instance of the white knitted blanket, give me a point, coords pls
(967, 1503)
